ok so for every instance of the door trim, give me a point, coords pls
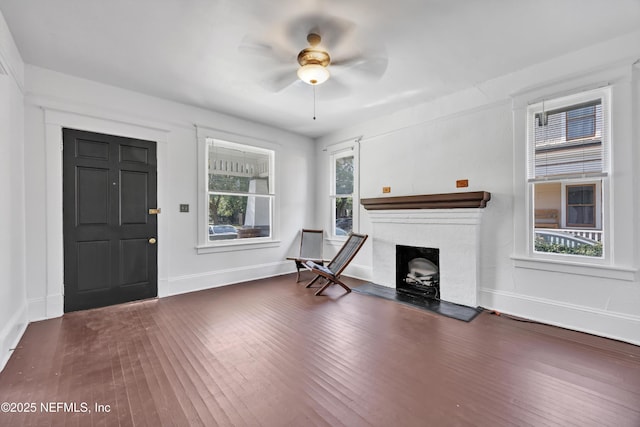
(49, 302)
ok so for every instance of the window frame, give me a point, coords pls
(601, 179)
(204, 245)
(338, 151)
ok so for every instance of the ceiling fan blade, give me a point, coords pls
(332, 89)
(258, 48)
(370, 68)
(331, 28)
(280, 81)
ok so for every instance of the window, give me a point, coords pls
(581, 205)
(568, 164)
(343, 184)
(240, 196)
(581, 122)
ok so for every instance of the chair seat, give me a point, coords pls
(312, 265)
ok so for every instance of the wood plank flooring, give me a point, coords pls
(270, 353)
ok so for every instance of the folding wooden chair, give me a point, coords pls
(311, 247)
(331, 273)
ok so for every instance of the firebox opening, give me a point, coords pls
(418, 271)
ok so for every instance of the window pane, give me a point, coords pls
(579, 194)
(569, 141)
(235, 169)
(583, 127)
(237, 217)
(580, 216)
(575, 113)
(344, 215)
(344, 175)
(257, 222)
(550, 235)
(236, 184)
(563, 242)
(228, 210)
(581, 122)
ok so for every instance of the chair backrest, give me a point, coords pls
(311, 244)
(346, 253)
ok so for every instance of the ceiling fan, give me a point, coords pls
(313, 62)
(351, 62)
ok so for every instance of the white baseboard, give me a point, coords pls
(37, 309)
(11, 333)
(55, 306)
(618, 326)
(214, 279)
(46, 308)
(359, 272)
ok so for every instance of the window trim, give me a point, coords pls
(203, 245)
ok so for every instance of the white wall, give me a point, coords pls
(13, 306)
(475, 134)
(55, 100)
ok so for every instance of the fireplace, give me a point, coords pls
(449, 222)
(418, 271)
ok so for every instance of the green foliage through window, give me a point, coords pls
(557, 248)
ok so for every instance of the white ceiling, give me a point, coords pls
(211, 54)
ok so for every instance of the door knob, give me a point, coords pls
(152, 240)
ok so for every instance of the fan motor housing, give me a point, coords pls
(313, 55)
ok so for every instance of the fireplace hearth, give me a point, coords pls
(418, 271)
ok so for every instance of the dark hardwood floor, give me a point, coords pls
(270, 353)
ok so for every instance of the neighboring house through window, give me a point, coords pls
(568, 165)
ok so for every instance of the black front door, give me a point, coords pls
(110, 250)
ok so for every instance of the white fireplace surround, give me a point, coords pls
(454, 231)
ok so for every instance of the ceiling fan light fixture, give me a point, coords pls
(313, 74)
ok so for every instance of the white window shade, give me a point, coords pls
(568, 138)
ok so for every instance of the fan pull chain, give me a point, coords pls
(314, 102)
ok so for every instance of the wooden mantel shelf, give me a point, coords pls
(471, 199)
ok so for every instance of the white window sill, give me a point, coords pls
(236, 245)
(573, 267)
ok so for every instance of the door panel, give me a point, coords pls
(95, 258)
(92, 149)
(133, 258)
(92, 196)
(134, 154)
(109, 185)
(134, 207)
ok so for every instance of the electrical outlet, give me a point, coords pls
(386, 189)
(184, 208)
